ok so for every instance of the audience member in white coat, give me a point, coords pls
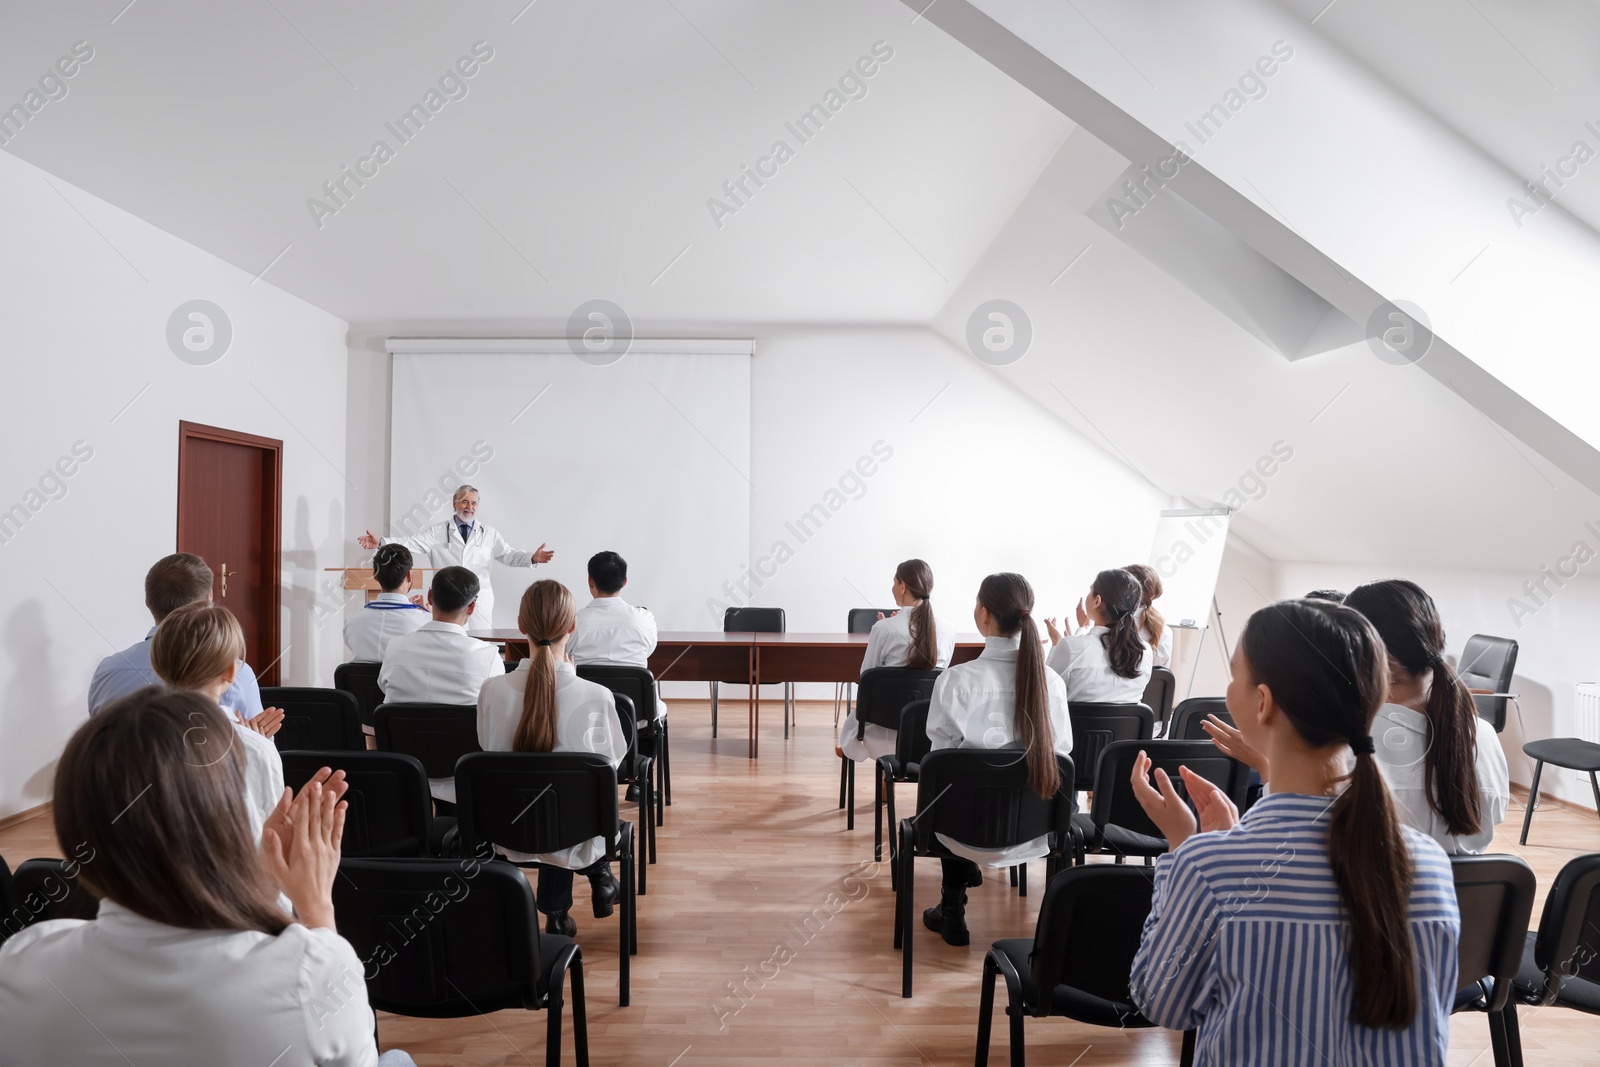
(911, 637)
(388, 615)
(1153, 628)
(543, 706)
(199, 647)
(438, 663)
(462, 541)
(1110, 663)
(1003, 699)
(610, 631)
(190, 959)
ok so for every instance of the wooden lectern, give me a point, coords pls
(361, 578)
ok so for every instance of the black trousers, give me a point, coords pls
(554, 894)
(958, 874)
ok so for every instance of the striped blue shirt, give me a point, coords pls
(1246, 940)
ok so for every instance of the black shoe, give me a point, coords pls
(604, 895)
(975, 879)
(632, 795)
(950, 924)
(560, 923)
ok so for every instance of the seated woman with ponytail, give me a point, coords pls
(1317, 929)
(543, 706)
(1109, 663)
(1153, 628)
(911, 637)
(1003, 699)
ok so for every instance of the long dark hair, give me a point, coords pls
(1325, 667)
(154, 786)
(1151, 589)
(1121, 595)
(917, 577)
(1009, 598)
(546, 615)
(1408, 622)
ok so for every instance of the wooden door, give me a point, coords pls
(230, 504)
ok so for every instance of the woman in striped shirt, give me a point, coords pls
(1316, 929)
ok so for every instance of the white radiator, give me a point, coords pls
(1588, 711)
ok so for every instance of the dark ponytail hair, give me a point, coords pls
(917, 577)
(1122, 596)
(1325, 667)
(1009, 598)
(1150, 585)
(1408, 622)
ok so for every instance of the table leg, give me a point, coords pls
(754, 696)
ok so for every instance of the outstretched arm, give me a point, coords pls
(502, 551)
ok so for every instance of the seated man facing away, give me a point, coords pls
(391, 613)
(438, 663)
(174, 582)
(610, 631)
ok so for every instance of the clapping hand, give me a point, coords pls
(1053, 628)
(366, 540)
(1083, 615)
(300, 846)
(1169, 812)
(268, 723)
(543, 554)
(1232, 743)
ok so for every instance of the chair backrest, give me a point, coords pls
(912, 743)
(441, 938)
(389, 814)
(535, 801)
(635, 683)
(1159, 692)
(1566, 944)
(753, 621)
(1114, 801)
(1495, 895)
(46, 889)
(1090, 926)
(860, 620)
(1489, 663)
(628, 720)
(360, 680)
(321, 719)
(10, 923)
(980, 797)
(1188, 716)
(436, 734)
(1094, 726)
(885, 691)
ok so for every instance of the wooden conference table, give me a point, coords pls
(750, 659)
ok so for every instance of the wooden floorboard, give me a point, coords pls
(766, 935)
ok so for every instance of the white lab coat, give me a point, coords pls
(1082, 662)
(889, 645)
(441, 546)
(975, 706)
(387, 616)
(614, 633)
(438, 664)
(1400, 737)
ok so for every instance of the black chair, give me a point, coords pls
(911, 744)
(639, 685)
(752, 621)
(884, 692)
(1573, 753)
(1187, 717)
(50, 889)
(1561, 961)
(11, 921)
(1495, 895)
(390, 812)
(1489, 663)
(360, 680)
(858, 621)
(447, 939)
(1094, 726)
(981, 798)
(1078, 962)
(635, 770)
(1158, 694)
(326, 720)
(436, 734)
(540, 802)
(1117, 824)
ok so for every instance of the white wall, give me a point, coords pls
(89, 289)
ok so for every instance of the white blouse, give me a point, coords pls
(1400, 736)
(126, 989)
(1083, 663)
(263, 774)
(1161, 654)
(889, 645)
(586, 721)
(974, 706)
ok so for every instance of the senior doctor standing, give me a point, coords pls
(462, 541)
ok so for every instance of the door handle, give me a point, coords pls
(225, 581)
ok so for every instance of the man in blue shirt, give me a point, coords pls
(175, 581)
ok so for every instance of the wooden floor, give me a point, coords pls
(766, 936)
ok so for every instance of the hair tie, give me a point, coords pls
(544, 643)
(1433, 659)
(1363, 745)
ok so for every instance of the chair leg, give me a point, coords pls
(907, 902)
(580, 1016)
(552, 1023)
(1533, 798)
(1015, 1016)
(626, 902)
(786, 711)
(1022, 879)
(1513, 1032)
(843, 771)
(1013, 876)
(985, 1011)
(1499, 1040)
(713, 709)
(1595, 785)
(877, 813)
(850, 803)
(1186, 1057)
